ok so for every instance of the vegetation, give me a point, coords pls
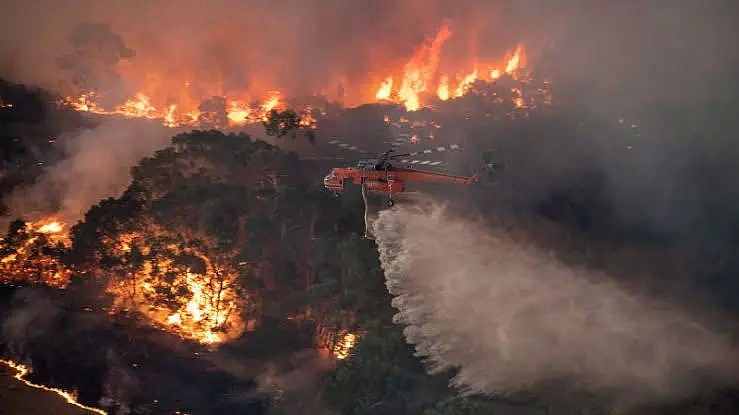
(280, 266)
(248, 211)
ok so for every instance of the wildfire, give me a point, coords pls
(70, 397)
(386, 88)
(29, 255)
(199, 299)
(51, 227)
(344, 345)
(139, 107)
(467, 80)
(203, 304)
(443, 90)
(420, 74)
(237, 111)
(307, 120)
(514, 61)
(240, 113)
(184, 99)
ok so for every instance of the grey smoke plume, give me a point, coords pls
(97, 166)
(93, 61)
(33, 315)
(512, 318)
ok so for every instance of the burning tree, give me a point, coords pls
(172, 245)
(32, 252)
(180, 283)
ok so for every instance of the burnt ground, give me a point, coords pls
(16, 398)
(72, 344)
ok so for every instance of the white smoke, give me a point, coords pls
(512, 318)
(97, 166)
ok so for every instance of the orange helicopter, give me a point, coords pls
(379, 175)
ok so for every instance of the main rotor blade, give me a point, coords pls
(349, 147)
(422, 162)
(439, 149)
(397, 143)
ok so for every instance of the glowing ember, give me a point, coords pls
(70, 397)
(344, 345)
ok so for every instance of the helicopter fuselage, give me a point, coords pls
(388, 179)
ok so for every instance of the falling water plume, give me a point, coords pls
(511, 318)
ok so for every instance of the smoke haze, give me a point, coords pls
(512, 318)
(633, 51)
(97, 166)
(33, 315)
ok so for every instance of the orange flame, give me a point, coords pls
(26, 261)
(420, 72)
(176, 100)
(70, 397)
(443, 90)
(138, 107)
(238, 112)
(466, 82)
(204, 305)
(386, 89)
(517, 98)
(344, 346)
(515, 60)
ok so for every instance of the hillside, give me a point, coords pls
(17, 398)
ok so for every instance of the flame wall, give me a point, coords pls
(345, 49)
(185, 52)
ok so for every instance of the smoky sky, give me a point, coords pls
(633, 50)
(97, 166)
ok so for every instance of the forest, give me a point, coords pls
(224, 252)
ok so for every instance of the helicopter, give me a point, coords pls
(380, 175)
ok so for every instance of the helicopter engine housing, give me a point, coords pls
(394, 186)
